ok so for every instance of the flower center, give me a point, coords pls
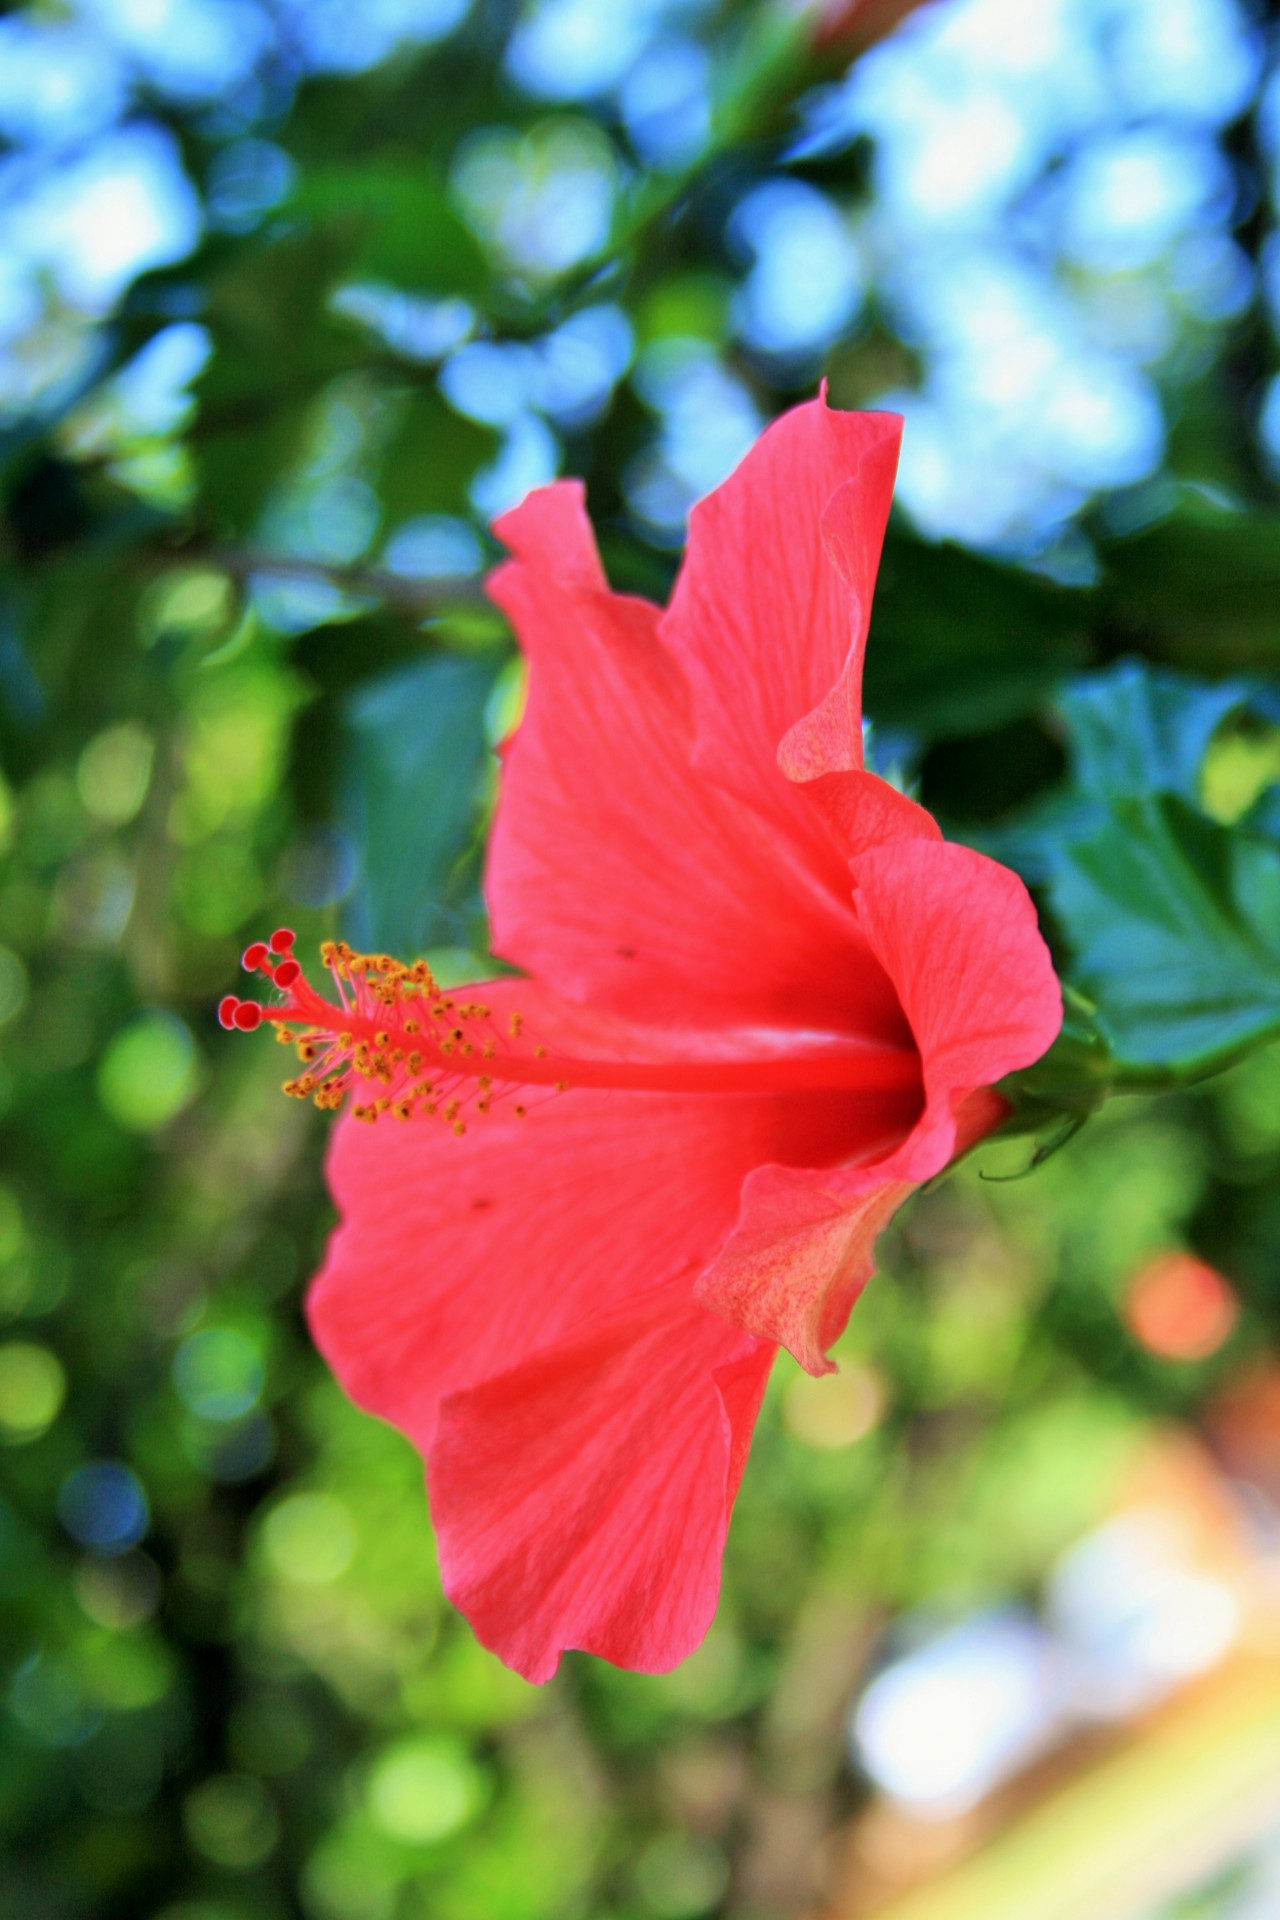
(411, 1048)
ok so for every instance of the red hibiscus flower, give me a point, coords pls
(764, 1000)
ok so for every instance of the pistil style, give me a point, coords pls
(413, 1048)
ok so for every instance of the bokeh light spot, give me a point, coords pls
(118, 1594)
(149, 1072)
(679, 1876)
(232, 1820)
(836, 1411)
(218, 1373)
(114, 772)
(33, 1387)
(103, 1507)
(425, 1789)
(1180, 1308)
(309, 1539)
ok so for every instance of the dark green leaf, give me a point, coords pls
(959, 644)
(1201, 586)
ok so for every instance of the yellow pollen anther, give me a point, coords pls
(429, 1050)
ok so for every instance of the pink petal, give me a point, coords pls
(863, 811)
(769, 616)
(457, 1258)
(618, 872)
(958, 935)
(550, 531)
(804, 1246)
(582, 1499)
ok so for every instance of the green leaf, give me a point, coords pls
(1174, 923)
(1137, 729)
(416, 768)
(1200, 586)
(1170, 920)
(1129, 731)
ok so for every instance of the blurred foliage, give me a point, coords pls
(246, 676)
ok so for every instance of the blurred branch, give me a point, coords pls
(774, 57)
(417, 598)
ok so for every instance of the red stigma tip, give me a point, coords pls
(287, 972)
(227, 1010)
(254, 956)
(247, 1016)
(282, 939)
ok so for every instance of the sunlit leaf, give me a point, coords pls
(1137, 729)
(1174, 925)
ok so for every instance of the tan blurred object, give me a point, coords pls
(788, 1815)
(1157, 1817)
(1124, 1814)
(1243, 1424)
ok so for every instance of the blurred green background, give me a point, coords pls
(294, 296)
